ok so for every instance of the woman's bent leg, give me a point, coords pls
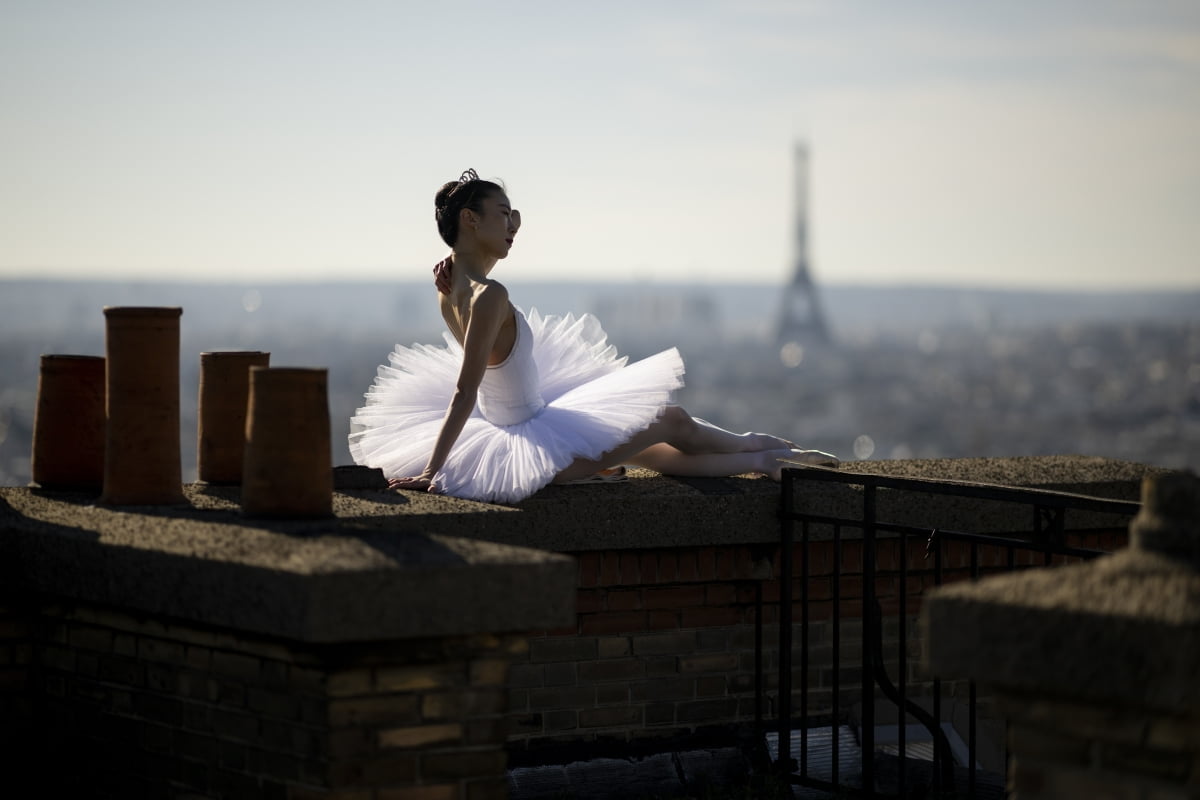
(691, 434)
(670, 461)
(678, 444)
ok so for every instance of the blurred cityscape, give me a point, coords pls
(909, 373)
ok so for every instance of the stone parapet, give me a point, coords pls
(353, 577)
(177, 629)
(312, 581)
(1096, 663)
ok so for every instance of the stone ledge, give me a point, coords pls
(653, 511)
(316, 581)
(1120, 630)
(1090, 631)
(402, 564)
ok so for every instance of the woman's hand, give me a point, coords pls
(441, 274)
(419, 483)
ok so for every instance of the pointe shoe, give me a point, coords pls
(811, 458)
(610, 475)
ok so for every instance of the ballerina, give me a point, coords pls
(516, 401)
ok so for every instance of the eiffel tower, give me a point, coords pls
(801, 320)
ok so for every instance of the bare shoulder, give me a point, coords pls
(490, 298)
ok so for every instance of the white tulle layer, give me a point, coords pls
(594, 402)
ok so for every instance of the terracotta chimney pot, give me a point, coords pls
(288, 468)
(68, 423)
(142, 446)
(221, 411)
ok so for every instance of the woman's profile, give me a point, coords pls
(516, 401)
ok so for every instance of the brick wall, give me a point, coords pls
(663, 644)
(16, 699)
(125, 706)
(1072, 749)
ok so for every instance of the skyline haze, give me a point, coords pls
(1028, 145)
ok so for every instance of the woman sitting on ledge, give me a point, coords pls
(516, 401)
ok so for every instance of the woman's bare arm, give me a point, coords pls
(489, 311)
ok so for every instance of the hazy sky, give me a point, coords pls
(1033, 143)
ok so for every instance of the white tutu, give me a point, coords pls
(593, 402)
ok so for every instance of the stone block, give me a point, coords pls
(420, 735)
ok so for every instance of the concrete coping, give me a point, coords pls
(320, 581)
(405, 564)
(1120, 629)
(653, 511)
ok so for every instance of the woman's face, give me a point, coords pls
(498, 224)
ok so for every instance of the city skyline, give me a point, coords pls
(1032, 145)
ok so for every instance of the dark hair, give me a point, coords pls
(469, 191)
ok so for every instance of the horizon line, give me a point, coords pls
(905, 284)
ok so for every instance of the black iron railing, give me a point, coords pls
(1046, 541)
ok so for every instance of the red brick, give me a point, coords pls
(589, 569)
(720, 594)
(674, 597)
(819, 589)
(588, 601)
(622, 600)
(725, 565)
(886, 557)
(648, 562)
(850, 586)
(668, 566)
(852, 556)
(688, 565)
(708, 617)
(817, 611)
(610, 569)
(662, 620)
(612, 622)
(706, 563)
(743, 562)
(818, 555)
(630, 572)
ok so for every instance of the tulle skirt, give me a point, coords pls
(595, 401)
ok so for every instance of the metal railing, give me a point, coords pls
(1046, 540)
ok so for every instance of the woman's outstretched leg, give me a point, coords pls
(701, 441)
(694, 435)
(668, 460)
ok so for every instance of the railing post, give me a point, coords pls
(867, 734)
(784, 764)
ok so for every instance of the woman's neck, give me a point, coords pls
(470, 266)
